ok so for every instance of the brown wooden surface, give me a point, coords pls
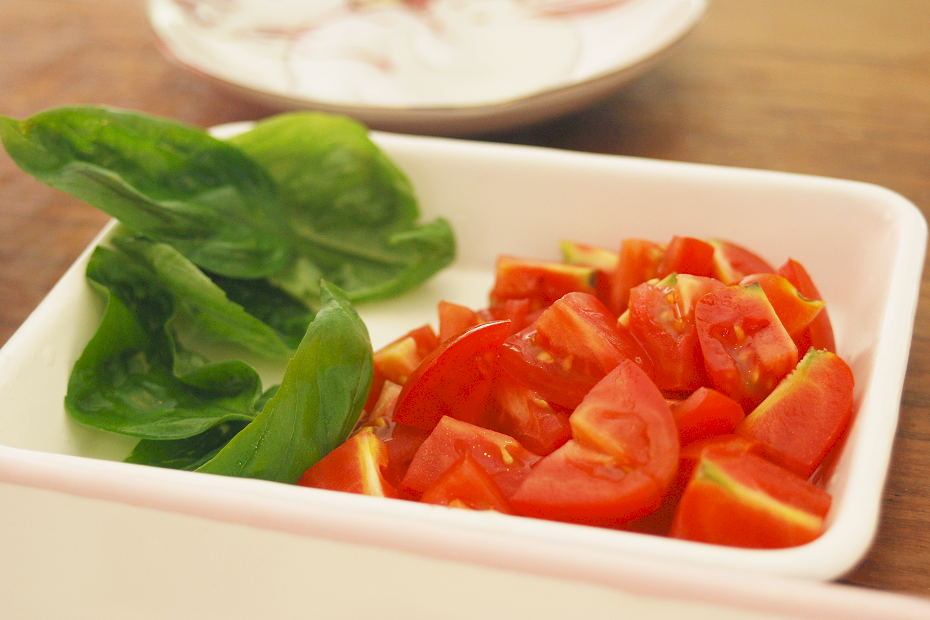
(828, 87)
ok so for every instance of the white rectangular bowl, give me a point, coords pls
(864, 246)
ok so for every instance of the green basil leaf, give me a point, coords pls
(169, 181)
(207, 305)
(188, 453)
(353, 212)
(133, 377)
(316, 406)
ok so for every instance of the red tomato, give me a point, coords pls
(454, 319)
(746, 349)
(637, 262)
(522, 413)
(524, 358)
(396, 361)
(819, 334)
(453, 380)
(356, 466)
(619, 463)
(705, 413)
(740, 499)
(687, 255)
(466, 484)
(542, 282)
(804, 417)
(661, 318)
(583, 335)
(733, 262)
(517, 311)
(502, 456)
(794, 310)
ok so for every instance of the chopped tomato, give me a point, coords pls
(466, 484)
(454, 319)
(637, 262)
(819, 334)
(526, 416)
(733, 262)
(740, 499)
(356, 466)
(705, 413)
(804, 417)
(687, 255)
(746, 349)
(542, 282)
(794, 310)
(396, 361)
(502, 456)
(661, 318)
(619, 462)
(582, 334)
(453, 380)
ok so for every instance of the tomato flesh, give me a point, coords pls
(356, 466)
(466, 484)
(706, 413)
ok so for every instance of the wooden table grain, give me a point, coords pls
(839, 88)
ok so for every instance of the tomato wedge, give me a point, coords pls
(819, 334)
(619, 462)
(740, 499)
(466, 484)
(687, 255)
(746, 349)
(454, 380)
(705, 413)
(356, 466)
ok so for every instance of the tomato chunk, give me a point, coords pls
(705, 413)
(687, 255)
(737, 498)
(619, 462)
(661, 318)
(819, 334)
(454, 380)
(502, 456)
(526, 416)
(733, 262)
(637, 262)
(746, 349)
(542, 282)
(794, 310)
(804, 417)
(356, 466)
(466, 484)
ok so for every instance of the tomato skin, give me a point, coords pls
(661, 319)
(746, 349)
(819, 334)
(733, 262)
(619, 462)
(805, 416)
(738, 498)
(356, 466)
(706, 413)
(454, 380)
(687, 255)
(466, 484)
(502, 456)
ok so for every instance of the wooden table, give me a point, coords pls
(838, 88)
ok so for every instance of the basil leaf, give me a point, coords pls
(188, 453)
(134, 378)
(209, 308)
(316, 406)
(352, 211)
(171, 182)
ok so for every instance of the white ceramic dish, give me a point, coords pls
(449, 68)
(864, 246)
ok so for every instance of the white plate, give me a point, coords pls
(451, 68)
(518, 200)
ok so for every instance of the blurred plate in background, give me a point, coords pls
(449, 67)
